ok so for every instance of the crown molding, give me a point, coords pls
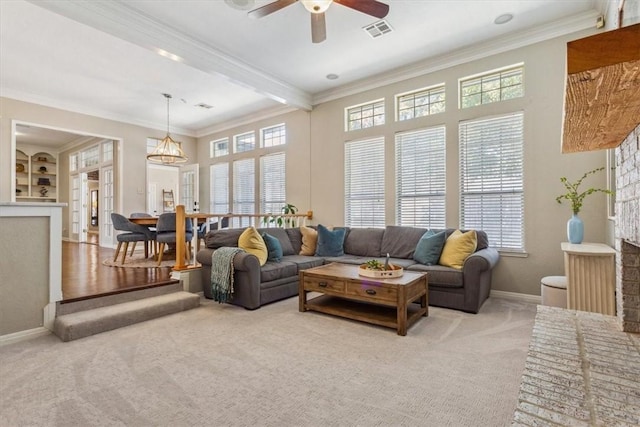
(82, 109)
(495, 46)
(127, 23)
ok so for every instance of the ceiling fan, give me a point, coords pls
(317, 9)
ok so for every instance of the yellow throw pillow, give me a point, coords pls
(309, 240)
(457, 248)
(251, 241)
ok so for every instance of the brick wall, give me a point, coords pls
(627, 232)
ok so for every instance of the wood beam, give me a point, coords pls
(602, 103)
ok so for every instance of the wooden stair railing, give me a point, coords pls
(266, 220)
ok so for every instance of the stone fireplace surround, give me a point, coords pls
(627, 232)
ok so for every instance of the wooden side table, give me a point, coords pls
(590, 271)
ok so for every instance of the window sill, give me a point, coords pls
(513, 254)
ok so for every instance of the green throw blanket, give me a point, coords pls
(222, 273)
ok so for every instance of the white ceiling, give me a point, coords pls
(112, 58)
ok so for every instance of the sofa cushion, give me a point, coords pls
(282, 236)
(274, 249)
(303, 262)
(429, 247)
(309, 240)
(295, 237)
(364, 242)
(251, 241)
(444, 277)
(401, 242)
(330, 242)
(277, 270)
(457, 248)
(218, 238)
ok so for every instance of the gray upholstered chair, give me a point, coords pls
(132, 233)
(166, 233)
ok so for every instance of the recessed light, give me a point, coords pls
(503, 19)
(332, 76)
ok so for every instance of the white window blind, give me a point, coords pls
(272, 183)
(244, 189)
(491, 177)
(364, 183)
(420, 178)
(219, 197)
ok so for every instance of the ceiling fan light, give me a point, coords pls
(316, 6)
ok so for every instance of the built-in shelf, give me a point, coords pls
(36, 173)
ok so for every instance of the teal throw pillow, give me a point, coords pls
(330, 242)
(430, 247)
(274, 248)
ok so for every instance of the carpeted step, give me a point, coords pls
(90, 322)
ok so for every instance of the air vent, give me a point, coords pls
(205, 106)
(378, 28)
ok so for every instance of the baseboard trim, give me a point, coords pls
(23, 335)
(534, 299)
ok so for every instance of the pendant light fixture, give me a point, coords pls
(168, 151)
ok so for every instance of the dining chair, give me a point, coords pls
(166, 233)
(132, 233)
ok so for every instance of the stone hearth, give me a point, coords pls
(627, 232)
(581, 370)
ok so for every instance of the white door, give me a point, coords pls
(75, 208)
(189, 187)
(105, 207)
(84, 208)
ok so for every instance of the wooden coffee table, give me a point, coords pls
(384, 302)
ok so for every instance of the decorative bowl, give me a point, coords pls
(19, 167)
(395, 271)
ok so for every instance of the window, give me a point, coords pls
(219, 147)
(219, 188)
(107, 151)
(364, 183)
(491, 178)
(73, 162)
(90, 157)
(244, 142)
(420, 178)
(365, 115)
(275, 135)
(243, 189)
(272, 183)
(420, 103)
(492, 87)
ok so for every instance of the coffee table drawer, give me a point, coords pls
(373, 292)
(323, 285)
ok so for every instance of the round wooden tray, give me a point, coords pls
(396, 271)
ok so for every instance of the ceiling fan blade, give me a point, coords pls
(318, 28)
(270, 8)
(370, 7)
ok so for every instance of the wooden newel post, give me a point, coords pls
(180, 238)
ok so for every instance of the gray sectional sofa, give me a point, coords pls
(255, 286)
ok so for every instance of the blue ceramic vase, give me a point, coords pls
(575, 229)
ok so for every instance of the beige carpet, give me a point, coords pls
(220, 365)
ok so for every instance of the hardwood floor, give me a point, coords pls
(84, 276)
